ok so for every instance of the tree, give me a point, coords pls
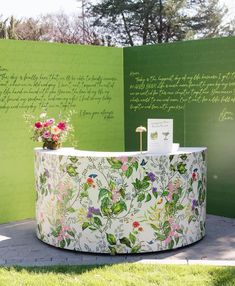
(58, 27)
(207, 21)
(11, 30)
(3, 29)
(31, 29)
(156, 21)
(8, 27)
(69, 29)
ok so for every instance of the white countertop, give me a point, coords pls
(83, 153)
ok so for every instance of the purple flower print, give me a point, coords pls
(89, 215)
(93, 210)
(154, 190)
(47, 173)
(151, 176)
(194, 204)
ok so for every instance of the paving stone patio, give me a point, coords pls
(20, 246)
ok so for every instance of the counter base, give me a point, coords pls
(119, 205)
(125, 253)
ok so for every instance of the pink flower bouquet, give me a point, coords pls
(49, 131)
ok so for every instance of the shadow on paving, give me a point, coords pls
(20, 246)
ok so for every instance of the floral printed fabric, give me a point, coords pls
(120, 204)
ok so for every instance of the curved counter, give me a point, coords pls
(124, 202)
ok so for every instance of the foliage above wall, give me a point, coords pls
(127, 23)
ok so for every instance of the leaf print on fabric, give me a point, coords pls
(136, 248)
(111, 238)
(103, 193)
(183, 157)
(120, 205)
(141, 185)
(73, 159)
(113, 250)
(105, 207)
(115, 164)
(181, 167)
(85, 225)
(71, 170)
(148, 197)
(129, 171)
(125, 241)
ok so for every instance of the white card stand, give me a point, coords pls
(160, 135)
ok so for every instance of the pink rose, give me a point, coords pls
(61, 125)
(48, 122)
(46, 135)
(55, 130)
(38, 124)
(55, 138)
(124, 168)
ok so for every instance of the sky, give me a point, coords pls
(30, 8)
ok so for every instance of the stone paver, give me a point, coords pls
(20, 246)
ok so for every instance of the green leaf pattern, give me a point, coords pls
(116, 205)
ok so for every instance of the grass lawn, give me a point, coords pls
(118, 275)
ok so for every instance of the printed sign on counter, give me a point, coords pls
(160, 135)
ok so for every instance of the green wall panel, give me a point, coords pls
(34, 76)
(194, 83)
